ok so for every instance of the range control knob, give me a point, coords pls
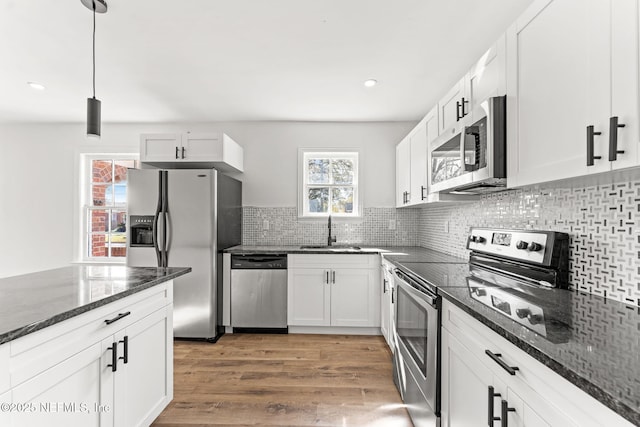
(521, 244)
(534, 247)
(523, 312)
(478, 239)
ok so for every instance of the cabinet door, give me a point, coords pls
(144, 381)
(308, 301)
(625, 48)
(68, 394)
(551, 90)
(160, 147)
(431, 122)
(385, 304)
(418, 175)
(450, 106)
(531, 410)
(202, 147)
(5, 416)
(465, 382)
(403, 171)
(488, 77)
(355, 298)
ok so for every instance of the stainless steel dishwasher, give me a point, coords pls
(259, 293)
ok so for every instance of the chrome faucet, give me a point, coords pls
(330, 239)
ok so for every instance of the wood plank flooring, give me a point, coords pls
(284, 380)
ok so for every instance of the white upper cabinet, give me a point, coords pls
(192, 151)
(486, 78)
(411, 162)
(453, 106)
(572, 69)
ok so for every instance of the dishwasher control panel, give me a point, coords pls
(259, 262)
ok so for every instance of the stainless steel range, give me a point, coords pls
(515, 272)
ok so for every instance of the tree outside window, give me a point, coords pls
(330, 184)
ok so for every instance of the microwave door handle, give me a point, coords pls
(474, 165)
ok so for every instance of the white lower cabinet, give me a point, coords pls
(86, 372)
(333, 290)
(473, 384)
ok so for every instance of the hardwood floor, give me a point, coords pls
(284, 380)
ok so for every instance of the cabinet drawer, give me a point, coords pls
(531, 375)
(36, 352)
(333, 261)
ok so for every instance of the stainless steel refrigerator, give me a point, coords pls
(185, 218)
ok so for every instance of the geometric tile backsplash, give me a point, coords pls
(283, 227)
(603, 223)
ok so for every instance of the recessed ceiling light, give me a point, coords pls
(35, 85)
(370, 82)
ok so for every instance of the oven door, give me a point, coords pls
(417, 325)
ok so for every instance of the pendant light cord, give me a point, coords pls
(94, 48)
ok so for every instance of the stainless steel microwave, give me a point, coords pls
(473, 160)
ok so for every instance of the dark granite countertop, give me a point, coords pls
(37, 300)
(591, 341)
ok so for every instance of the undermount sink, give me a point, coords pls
(332, 247)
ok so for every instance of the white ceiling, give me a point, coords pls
(214, 60)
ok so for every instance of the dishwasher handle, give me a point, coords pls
(259, 262)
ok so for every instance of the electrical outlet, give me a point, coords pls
(265, 224)
(392, 224)
(446, 226)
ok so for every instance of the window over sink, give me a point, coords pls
(104, 205)
(329, 183)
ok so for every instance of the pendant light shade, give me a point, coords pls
(94, 106)
(93, 117)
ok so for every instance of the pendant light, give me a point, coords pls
(93, 104)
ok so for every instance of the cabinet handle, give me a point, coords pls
(114, 357)
(491, 395)
(504, 419)
(392, 297)
(458, 115)
(613, 138)
(125, 343)
(496, 358)
(118, 317)
(327, 277)
(462, 107)
(422, 196)
(385, 282)
(590, 135)
(333, 277)
(407, 197)
(177, 153)
(183, 152)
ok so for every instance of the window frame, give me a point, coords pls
(86, 205)
(303, 185)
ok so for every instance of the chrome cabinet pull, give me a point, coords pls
(327, 277)
(590, 134)
(613, 138)
(496, 358)
(333, 277)
(183, 152)
(458, 115)
(490, 396)
(504, 419)
(177, 153)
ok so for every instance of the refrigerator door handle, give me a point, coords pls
(156, 217)
(165, 214)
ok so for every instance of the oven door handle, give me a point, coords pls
(425, 298)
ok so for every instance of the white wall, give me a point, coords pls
(39, 174)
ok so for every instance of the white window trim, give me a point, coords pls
(85, 202)
(358, 184)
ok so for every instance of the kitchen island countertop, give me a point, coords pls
(34, 301)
